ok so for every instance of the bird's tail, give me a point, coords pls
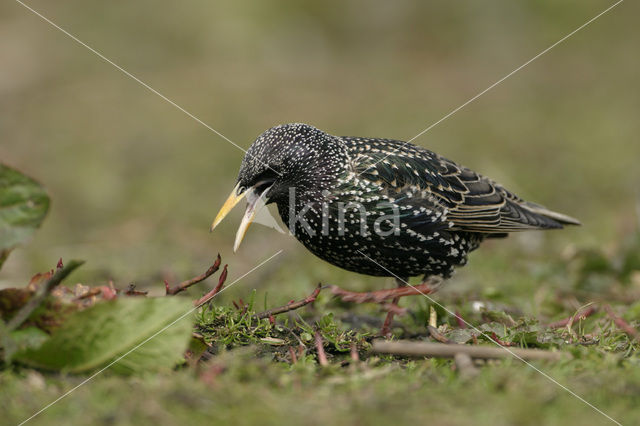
(562, 219)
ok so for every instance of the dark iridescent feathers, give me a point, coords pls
(295, 155)
(471, 201)
(441, 210)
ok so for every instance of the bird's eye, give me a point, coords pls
(265, 179)
(262, 185)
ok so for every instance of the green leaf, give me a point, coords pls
(93, 338)
(23, 205)
(26, 338)
(460, 335)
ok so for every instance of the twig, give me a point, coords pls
(291, 305)
(421, 349)
(322, 356)
(188, 283)
(204, 299)
(42, 294)
(622, 324)
(578, 315)
(437, 335)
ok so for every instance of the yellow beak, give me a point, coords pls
(255, 202)
(231, 202)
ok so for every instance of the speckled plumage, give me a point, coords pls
(443, 210)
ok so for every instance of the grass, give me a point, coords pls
(250, 375)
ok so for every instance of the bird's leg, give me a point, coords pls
(393, 295)
(381, 296)
(385, 331)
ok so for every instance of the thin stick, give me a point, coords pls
(291, 305)
(622, 324)
(322, 356)
(439, 350)
(42, 294)
(204, 299)
(382, 295)
(188, 283)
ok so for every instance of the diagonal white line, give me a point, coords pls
(516, 70)
(143, 342)
(499, 345)
(128, 74)
(503, 78)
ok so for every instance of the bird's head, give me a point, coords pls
(288, 156)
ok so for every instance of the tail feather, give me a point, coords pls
(562, 219)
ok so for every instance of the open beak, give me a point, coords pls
(234, 198)
(255, 201)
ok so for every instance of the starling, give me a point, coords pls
(379, 207)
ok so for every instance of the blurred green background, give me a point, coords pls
(135, 182)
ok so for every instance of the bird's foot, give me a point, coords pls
(381, 296)
(387, 298)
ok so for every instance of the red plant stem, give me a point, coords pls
(322, 356)
(204, 299)
(622, 324)
(291, 305)
(188, 283)
(460, 321)
(293, 356)
(578, 315)
(495, 338)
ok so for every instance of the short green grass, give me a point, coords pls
(250, 376)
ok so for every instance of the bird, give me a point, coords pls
(379, 207)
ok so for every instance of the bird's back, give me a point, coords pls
(395, 209)
(470, 201)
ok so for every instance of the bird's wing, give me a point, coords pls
(470, 201)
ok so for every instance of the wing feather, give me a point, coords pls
(471, 201)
